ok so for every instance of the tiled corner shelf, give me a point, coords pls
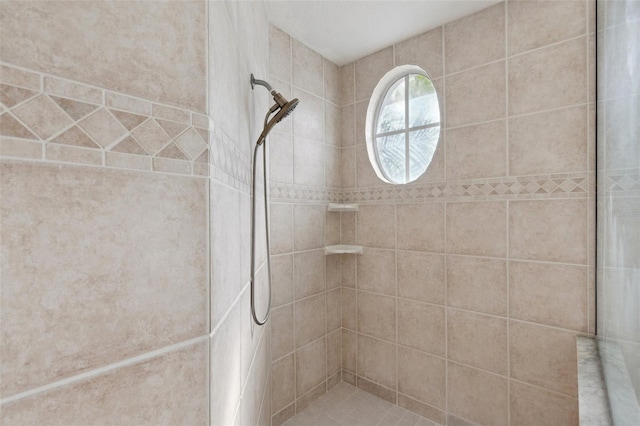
(343, 207)
(342, 249)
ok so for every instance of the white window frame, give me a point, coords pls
(373, 113)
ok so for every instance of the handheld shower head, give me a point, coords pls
(281, 105)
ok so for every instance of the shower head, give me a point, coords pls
(282, 106)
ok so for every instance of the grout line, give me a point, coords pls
(507, 203)
(105, 369)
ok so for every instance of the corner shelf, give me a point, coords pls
(342, 249)
(343, 207)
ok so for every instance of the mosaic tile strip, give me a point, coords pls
(293, 192)
(529, 187)
(228, 163)
(621, 182)
(51, 119)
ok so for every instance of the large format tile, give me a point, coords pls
(478, 151)
(548, 408)
(548, 78)
(377, 271)
(534, 24)
(424, 50)
(422, 376)
(478, 396)
(369, 70)
(549, 294)
(84, 265)
(548, 230)
(422, 326)
(377, 316)
(475, 39)
(421, 276)
(153, 50)
(168, 389)
(544, 357)
(420, 227)
(377, 361)
(477, 284)
(376, 226)
(477, 228)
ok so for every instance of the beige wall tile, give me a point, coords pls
(334, 352)
(477, 284)
(422, 376)
(551, 230)
(377, 316)
(308, 226)
(283, 384)
(478, 396)
(310, 366)
(552, 77)
(550, 142)
(20, 78)
(348, 126)
(281, 157)
(279, 55)
(421, 276)
(365, 175)
(308, 121)
(332, 167)
(331, 82)
(347, 84)
(72, 154)
(361, 121)
(424, 50)
(281, 223)
(478, 151)
(421, 226)
(226, 254)
(308, 162)
(282, 279)
(348, 229)
(377, 361)
(305, 400)
(309, 275)
(478, 228)
(84, 289)
(170, 388)
(377, 271)
(535, 24)
(331, 228)
(424, 410)
(43, 116)
(477, 340)
(376, 226)
(309, 319)
(348, 167)
(334, 308)
(549, 294)
(225, 383)
(369, 70)
(10, 147)
(349, 309)
(543, 356)
(332, 121)
(166, 45)
(307, 69)
(475, 39)
(334, 271)
(282, 331)
(467, 102)
(377, 390)
(349, 350)
(548, 408)
(422, 326)
(73, 90)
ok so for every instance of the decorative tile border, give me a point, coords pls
(52, 119)
(621, 182)
(296, 193)
(228, 163)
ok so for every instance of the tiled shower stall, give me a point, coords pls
(126, 136)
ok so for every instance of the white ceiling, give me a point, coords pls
(345, 30)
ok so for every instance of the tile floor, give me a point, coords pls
(346, 405)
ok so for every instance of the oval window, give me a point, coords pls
(403, 125)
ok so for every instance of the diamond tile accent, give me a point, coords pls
(129, 146)
(204, 157)
(191, 143)
(103, 128)
(12, 96)
(173, 129)
(172, 151)
(151, 136)
(43, 116)
(128, 119)
(9, 126)
(76, 137)
(75, 109)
